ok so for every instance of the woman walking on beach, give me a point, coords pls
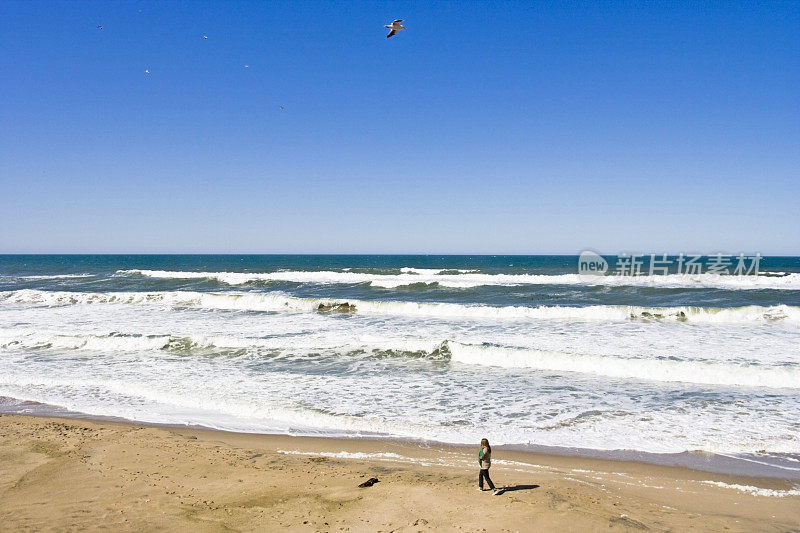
(485, 460)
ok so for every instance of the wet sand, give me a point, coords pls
(66, 474)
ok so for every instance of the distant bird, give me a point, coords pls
(205, 36)
(395, 27)
(99, 26)
(247, 66)
(146, 71)
(282, 107)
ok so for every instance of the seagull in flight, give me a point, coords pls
(205, 36)
(395, 27)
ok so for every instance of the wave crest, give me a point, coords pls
(281, 302)
(467, 279)
(715, 373)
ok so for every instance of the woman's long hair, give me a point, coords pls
(485, 444)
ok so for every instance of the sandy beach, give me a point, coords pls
(69, 474)
(295, 266)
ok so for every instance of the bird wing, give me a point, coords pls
(391, 33)
(397, 21)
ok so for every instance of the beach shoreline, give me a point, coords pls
(75, 472)
(699, 460)
(265, 344)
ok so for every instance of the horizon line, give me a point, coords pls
(403, 254)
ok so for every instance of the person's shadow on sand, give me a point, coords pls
(512, 488)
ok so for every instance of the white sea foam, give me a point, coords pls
(11, 340)
(280, 302)
(348, 455)
(755, 491)
(217, 393)
(710, 373)
(663, 380)
(22, 339)
(724, 373)
(469, 279)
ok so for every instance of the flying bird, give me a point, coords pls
(205, 36)
(99, 26)
(146, 71)
(395, 27)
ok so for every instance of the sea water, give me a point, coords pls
(521, 350)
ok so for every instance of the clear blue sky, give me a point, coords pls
(515, 127)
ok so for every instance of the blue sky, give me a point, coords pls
(510, 127)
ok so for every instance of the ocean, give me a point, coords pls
(523, 350)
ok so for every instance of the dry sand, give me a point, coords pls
(69, 474)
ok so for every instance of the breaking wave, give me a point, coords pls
(469, 278)
(660, 369)
(281, 302)
(56, 276)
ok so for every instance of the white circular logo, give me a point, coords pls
(591, 264)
